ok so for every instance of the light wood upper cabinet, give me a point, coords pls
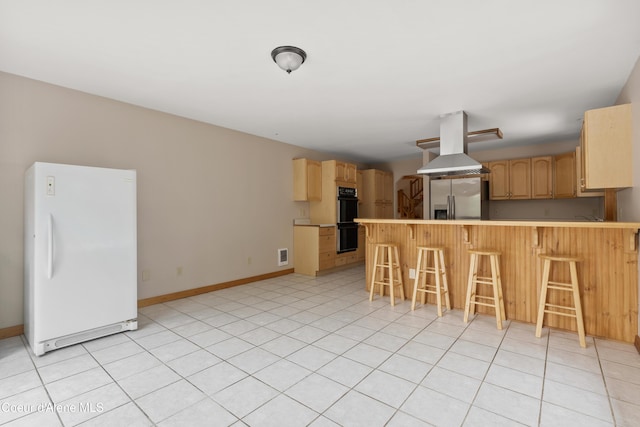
(579, 178)
(359, 185)
(307, 180)
(346, 172)
(510, 179)
(606, 148)
(499, 180)
(542, 177)
(564, 183)
(520, 178)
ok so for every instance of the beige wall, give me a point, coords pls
(629, 199)
(208, 198)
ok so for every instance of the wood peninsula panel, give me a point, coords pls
(608, 274)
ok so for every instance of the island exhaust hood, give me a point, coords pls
(453, 158)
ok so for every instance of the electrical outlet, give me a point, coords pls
(179, 271)
(146, 275)
(412, 273)
(249, 261)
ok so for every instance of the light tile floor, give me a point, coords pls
(296, 351)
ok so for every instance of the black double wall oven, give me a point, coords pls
(347, 212)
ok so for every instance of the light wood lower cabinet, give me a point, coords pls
(361, 251)
(314, 249)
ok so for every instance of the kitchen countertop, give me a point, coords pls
(567, 224)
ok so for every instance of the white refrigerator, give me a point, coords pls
(80, 275)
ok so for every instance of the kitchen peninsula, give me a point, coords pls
(608, 273)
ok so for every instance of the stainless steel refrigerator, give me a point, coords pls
(463, 198)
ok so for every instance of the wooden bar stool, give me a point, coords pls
(386, 270)
(496, 301)
(441, 286)
(574, 310)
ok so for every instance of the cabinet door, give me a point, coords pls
(388, 210)
(388, 187)
(366, 210)
(379, 186)
(579, 178)
(499, 180)
(307, 180)
(359, 186)
(346, 172)
(520, 179)
(606, 148)
(341, 171)
(351, 173)
(542, 177)
(314, 181)
(361, 252)
(564, 183)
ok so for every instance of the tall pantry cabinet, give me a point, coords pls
(377, 196)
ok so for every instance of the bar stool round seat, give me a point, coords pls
(575, 310)
(440, 285)
(386, 271)
(496, 300)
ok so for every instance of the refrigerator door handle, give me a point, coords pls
(50, 247)
(448, 206)
(453, 207)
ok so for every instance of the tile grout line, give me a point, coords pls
(475, 396)
(604, 380)
(544, 375)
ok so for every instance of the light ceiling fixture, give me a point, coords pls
(289, 58)
(474, 136)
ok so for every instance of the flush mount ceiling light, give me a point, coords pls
(289, 58)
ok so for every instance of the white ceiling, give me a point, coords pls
(378, 73)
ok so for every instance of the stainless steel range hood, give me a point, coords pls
(453, 158)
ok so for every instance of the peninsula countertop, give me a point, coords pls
(507, 223)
